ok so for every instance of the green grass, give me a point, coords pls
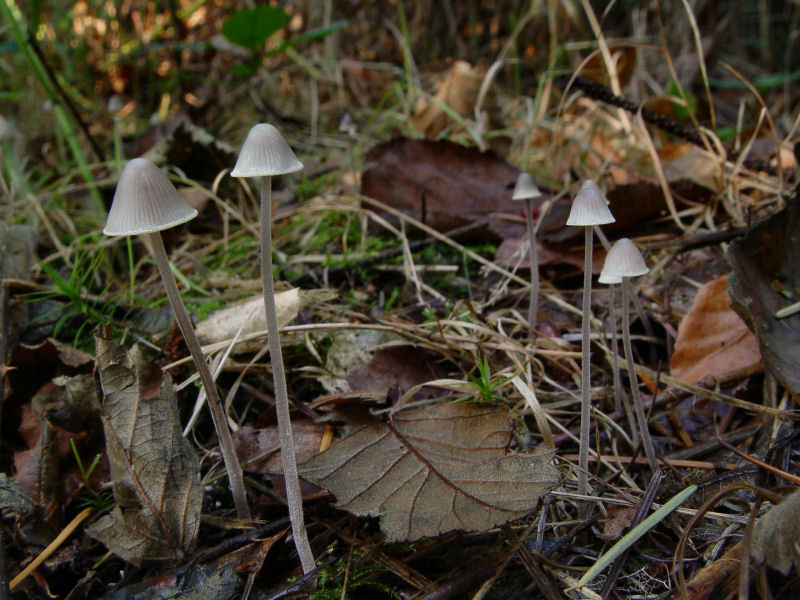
(363, 575)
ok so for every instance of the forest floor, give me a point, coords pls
(439, 408)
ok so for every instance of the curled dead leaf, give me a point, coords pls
(155, 471)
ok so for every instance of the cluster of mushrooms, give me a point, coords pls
(145, 203)
(623, 261)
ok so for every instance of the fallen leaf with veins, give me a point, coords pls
(433, 469)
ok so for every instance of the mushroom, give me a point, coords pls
(145, 202)
(622, 262)
(589, 208)
(620, 400)
(525, 189)
(264, 154)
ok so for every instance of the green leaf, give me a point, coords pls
(685, 105)
(309, 36)
(252, 26)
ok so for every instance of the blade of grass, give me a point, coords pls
(634, 534)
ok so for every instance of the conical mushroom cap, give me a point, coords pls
(525, 188)
(623, 260)
(265, 153)
(589, 207)
(145, 201)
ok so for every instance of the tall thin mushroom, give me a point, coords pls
(265, 154)
(525, 189)
(624, 261)
(620, 399)
(589, 208)
(145, 203)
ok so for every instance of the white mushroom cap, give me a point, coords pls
(265, 153)
(623, 260)
(145, 201)
(589, 207)
(525, 188)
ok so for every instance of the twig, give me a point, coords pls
(52, 547)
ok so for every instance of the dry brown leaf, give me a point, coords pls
(446, 185)
(155, 471)
(624, 58)
(433, 469)
(618, 522)
(776, 537)
(457, 90)
(260, 448)
(712, 339)
(697, 166)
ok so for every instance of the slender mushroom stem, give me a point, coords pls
(534, 264)
(637, 399)
(583, 450)
(290, 476)
(619, 397)
(232, 465)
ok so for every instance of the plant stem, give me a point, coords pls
(293, 497)
(534, 264)
(637, 399)
(232, 465)
(583, 450)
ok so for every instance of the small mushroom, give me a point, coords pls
(526, 189)
(622, 262)
(264, 154)
(589, 208)
(145, 202)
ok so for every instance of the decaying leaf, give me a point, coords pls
(155, 471)
(12, 496)
(67, 408)
(776, 537)
(444, 185)
(212, 581)
(433, 469)
(348, 350)
(712, 339)
(260, 447)
(696, 166)
(766, 269)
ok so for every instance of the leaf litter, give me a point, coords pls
(441, 305)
